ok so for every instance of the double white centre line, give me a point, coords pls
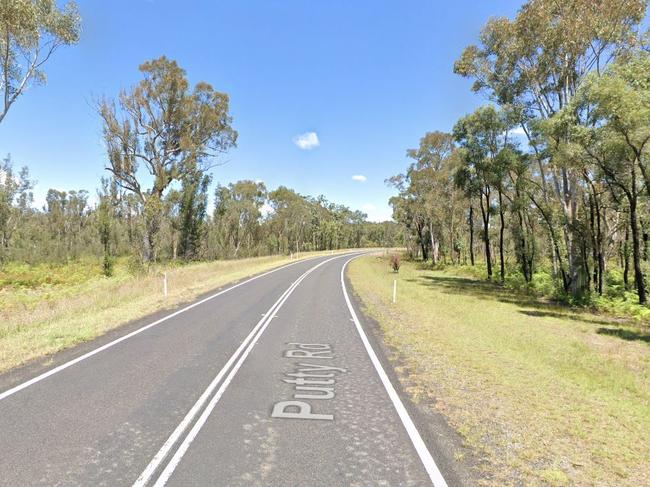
(237, 359)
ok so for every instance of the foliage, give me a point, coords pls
(30, 32)
(562, 158)
(174, 132)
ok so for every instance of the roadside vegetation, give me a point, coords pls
(549, 181)
(522, 307)
(545, 394)
(91, 259)
(50, 307)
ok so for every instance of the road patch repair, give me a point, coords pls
(313, 382)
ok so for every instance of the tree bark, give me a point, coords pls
(501, 230)
(471, 234)
(485, 213)
(636, 246)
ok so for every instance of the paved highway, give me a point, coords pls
(272, 382)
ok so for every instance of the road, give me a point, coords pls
(272, 382)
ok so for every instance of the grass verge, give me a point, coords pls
(547, 395)
(45, 309)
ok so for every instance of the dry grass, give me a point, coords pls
(546, 395)
(47, 309)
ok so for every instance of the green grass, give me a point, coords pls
(47, 308)
(616, 300)
(548, 394)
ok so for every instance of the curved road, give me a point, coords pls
(272, 382)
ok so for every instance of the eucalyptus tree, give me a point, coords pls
(290, 218)
(482, 137)
(237, 216)
(16, 198)
(431, 178)
(410, 209)
(533, 65)
(166, 128)
(30, 32)
(610, 120)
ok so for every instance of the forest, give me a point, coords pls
(547, 185)
(163, 138)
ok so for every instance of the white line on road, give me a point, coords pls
(85, 356)
(423, 452)
(248, 343)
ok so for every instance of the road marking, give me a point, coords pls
(304, 380)
(248, 343)
(85, 356)
(425, 456)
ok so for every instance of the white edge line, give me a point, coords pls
(87, 355)
(423, 452)
(184, 446)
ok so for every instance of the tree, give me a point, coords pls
(193, 210)
(482, 136)
(169, 129)
(533, 66)
(237, 215)
(30, 32)
(432, 215)
(15, 199)
(614, 133)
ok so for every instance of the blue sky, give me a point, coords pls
(369, 78)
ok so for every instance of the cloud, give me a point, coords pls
(519, 132)
(368, 207)
(360, 177)
(307, 141)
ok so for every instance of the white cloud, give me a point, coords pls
(307, 141)
(360, 177)
(368, 207)
(518, 132)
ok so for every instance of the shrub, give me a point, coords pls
(395, 262)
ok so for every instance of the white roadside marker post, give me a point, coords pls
(165, 284)
(394, 290)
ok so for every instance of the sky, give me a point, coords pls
(327, 95)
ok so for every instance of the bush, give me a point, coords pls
(395, 262)
(107, 266)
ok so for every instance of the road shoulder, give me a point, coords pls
(457, 462)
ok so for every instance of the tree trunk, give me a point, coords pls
(626, 258)
(471, 234)
(501, 230)
(636, 245)
(435, 246)
(485, 213)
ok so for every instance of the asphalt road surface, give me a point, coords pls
(272, 382)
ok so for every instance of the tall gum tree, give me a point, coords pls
(534, 65)
(482, 136)
(609, 120)
(166, 128)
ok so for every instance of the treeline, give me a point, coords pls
(162, 138)
(554, 174)
(245, 220)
